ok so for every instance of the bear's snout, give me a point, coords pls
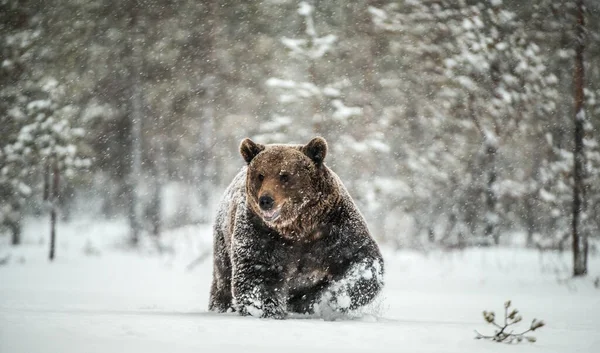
(266, 202)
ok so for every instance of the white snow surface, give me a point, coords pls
(100, 297)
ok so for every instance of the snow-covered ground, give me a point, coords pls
(99, 297)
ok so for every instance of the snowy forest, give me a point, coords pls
(452, 123)
(466, 131)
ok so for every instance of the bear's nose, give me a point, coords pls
(266, 202)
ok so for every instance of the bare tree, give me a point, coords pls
(204, 171)
(580, 241)
(135, 116)
(53, 197)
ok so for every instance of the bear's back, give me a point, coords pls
(233, 201)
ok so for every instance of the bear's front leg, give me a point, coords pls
(220, 292)
(258, 283)
(355, 287)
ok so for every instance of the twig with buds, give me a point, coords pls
(502, 334)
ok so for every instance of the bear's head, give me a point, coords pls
(284, 183)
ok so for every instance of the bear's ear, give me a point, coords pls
(316, 150)
(249, 149)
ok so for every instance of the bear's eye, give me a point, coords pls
(261, 177)
(284, 178)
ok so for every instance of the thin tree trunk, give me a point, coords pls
(47, 197)
(580, 245)
(46, 181)
(529, 220)
(53, 206)
(155, 206)
(490, 195)
(205, 174)
(372, 51)
(316, 113)
(206, 161)
(136, 114)
(159, 180)
(15, 227)
(491, 150)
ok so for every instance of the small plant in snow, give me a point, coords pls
(504, 332)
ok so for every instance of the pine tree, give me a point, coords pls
(319, 100)
(476, 80)
(17, 46)
(501, 75)
(43, 138)
(37, 125)
(315, 103)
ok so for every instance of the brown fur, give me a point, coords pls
(309, 190)
(306, 248)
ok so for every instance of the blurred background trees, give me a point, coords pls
(451, 122)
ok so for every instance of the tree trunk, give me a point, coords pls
(158, 181)
(372, 51)
(205, 164)
(47, 197)
(154, 208)
(530, 220)
(135, 114)
(15, 227)
(316, 111)
(491, 217)
(53, 205)
(580, 244)
(206, 168)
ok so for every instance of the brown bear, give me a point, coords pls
(289, 238)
